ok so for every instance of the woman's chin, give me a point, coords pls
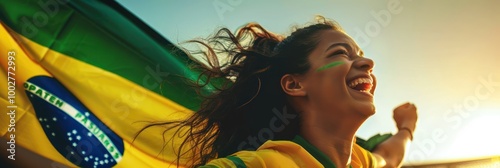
(367, 109)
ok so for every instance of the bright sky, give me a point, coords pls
(441, 55)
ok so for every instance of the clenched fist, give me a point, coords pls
(405, 115)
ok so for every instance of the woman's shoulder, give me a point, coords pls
(270, 154)
(284, 154)
(361, 157)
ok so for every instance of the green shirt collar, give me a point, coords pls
(315, 152)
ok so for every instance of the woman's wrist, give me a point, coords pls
(408, 130)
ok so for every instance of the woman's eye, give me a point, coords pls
(340, 52)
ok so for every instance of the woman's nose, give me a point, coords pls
(363, 63)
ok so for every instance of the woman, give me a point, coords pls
(307, 93)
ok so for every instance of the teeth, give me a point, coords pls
(359, 81)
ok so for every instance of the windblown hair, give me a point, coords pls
(252, 95)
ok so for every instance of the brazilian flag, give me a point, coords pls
(85, 77)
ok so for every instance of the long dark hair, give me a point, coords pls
(250, 106)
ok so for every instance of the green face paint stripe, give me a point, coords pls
(330, 65)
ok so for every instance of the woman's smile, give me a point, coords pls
(361, 84)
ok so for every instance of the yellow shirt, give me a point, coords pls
(289, 154)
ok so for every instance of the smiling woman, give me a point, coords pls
(317, 73)
(422, 49)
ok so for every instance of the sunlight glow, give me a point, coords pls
(478, 138)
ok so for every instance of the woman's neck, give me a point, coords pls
(335, 143)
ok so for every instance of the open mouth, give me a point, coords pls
(362, 84)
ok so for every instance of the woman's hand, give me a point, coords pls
(406, 116)
(390, 153)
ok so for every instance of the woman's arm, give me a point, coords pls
(390, 153)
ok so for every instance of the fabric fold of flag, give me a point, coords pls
(122, 73)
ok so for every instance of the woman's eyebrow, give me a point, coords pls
(339, 44)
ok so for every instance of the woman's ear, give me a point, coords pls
(292, 86)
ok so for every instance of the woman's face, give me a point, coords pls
(340, 79)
